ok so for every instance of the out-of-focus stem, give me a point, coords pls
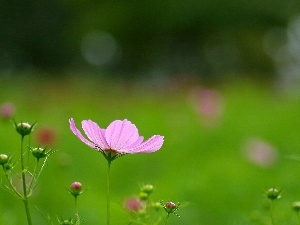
(271, 213)
(30, 187)
(167, 218)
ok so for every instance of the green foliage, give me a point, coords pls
(205, 166)
(202, 37)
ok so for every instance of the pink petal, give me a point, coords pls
(95, 133)
(120, 134)
(78, 134)
(138, 142)
(151, 145)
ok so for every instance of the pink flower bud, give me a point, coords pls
(75, 188)
(170, 205)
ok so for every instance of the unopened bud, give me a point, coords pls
(75, 189)
(143, 196)
(148, 188)
(24, 128)
(296, 206)
(171, 206)
(39, 152)
(273, 193)
(156, 205)
(3, 159)
(66, 222)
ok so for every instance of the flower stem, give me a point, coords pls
(108, 197)
(25, 194)
(11, 187)
(167, 218)
(271, 213)
(31, 184)
(77, 212)
(298, 217)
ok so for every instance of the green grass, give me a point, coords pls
(200, 165)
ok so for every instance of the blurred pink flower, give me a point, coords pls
(260, 152)
(46, 136)
(120, 137)
(134, 204)
(208, 104)
(7, 110)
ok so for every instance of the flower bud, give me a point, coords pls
(24, 128)
(8, 166)
(75, 189)
(296, 206)
(39, 152)
(66, 222)
(170, 206)
(3, 159)
(156, 205)
(273, 193)
(143, 196)
(148, 188)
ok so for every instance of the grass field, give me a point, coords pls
(202, 161)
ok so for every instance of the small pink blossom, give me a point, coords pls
(133, 204)
(46, 136)
(7, 110)
(261, 153)
(120, 137)
(208, 103)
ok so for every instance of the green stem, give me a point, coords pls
(76, 212)
(76, 206)
(11, 188)
(25, 194)
(271, 213)
(298, 217)
(31, 186)
(167, 218)
(108, 197)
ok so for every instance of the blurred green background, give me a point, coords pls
(219, 79)
(209, 39)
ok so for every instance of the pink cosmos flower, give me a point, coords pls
(120, 137)
(261, 152)
(46, 136)
(7, 109)
(208, 104)
(134, 204)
